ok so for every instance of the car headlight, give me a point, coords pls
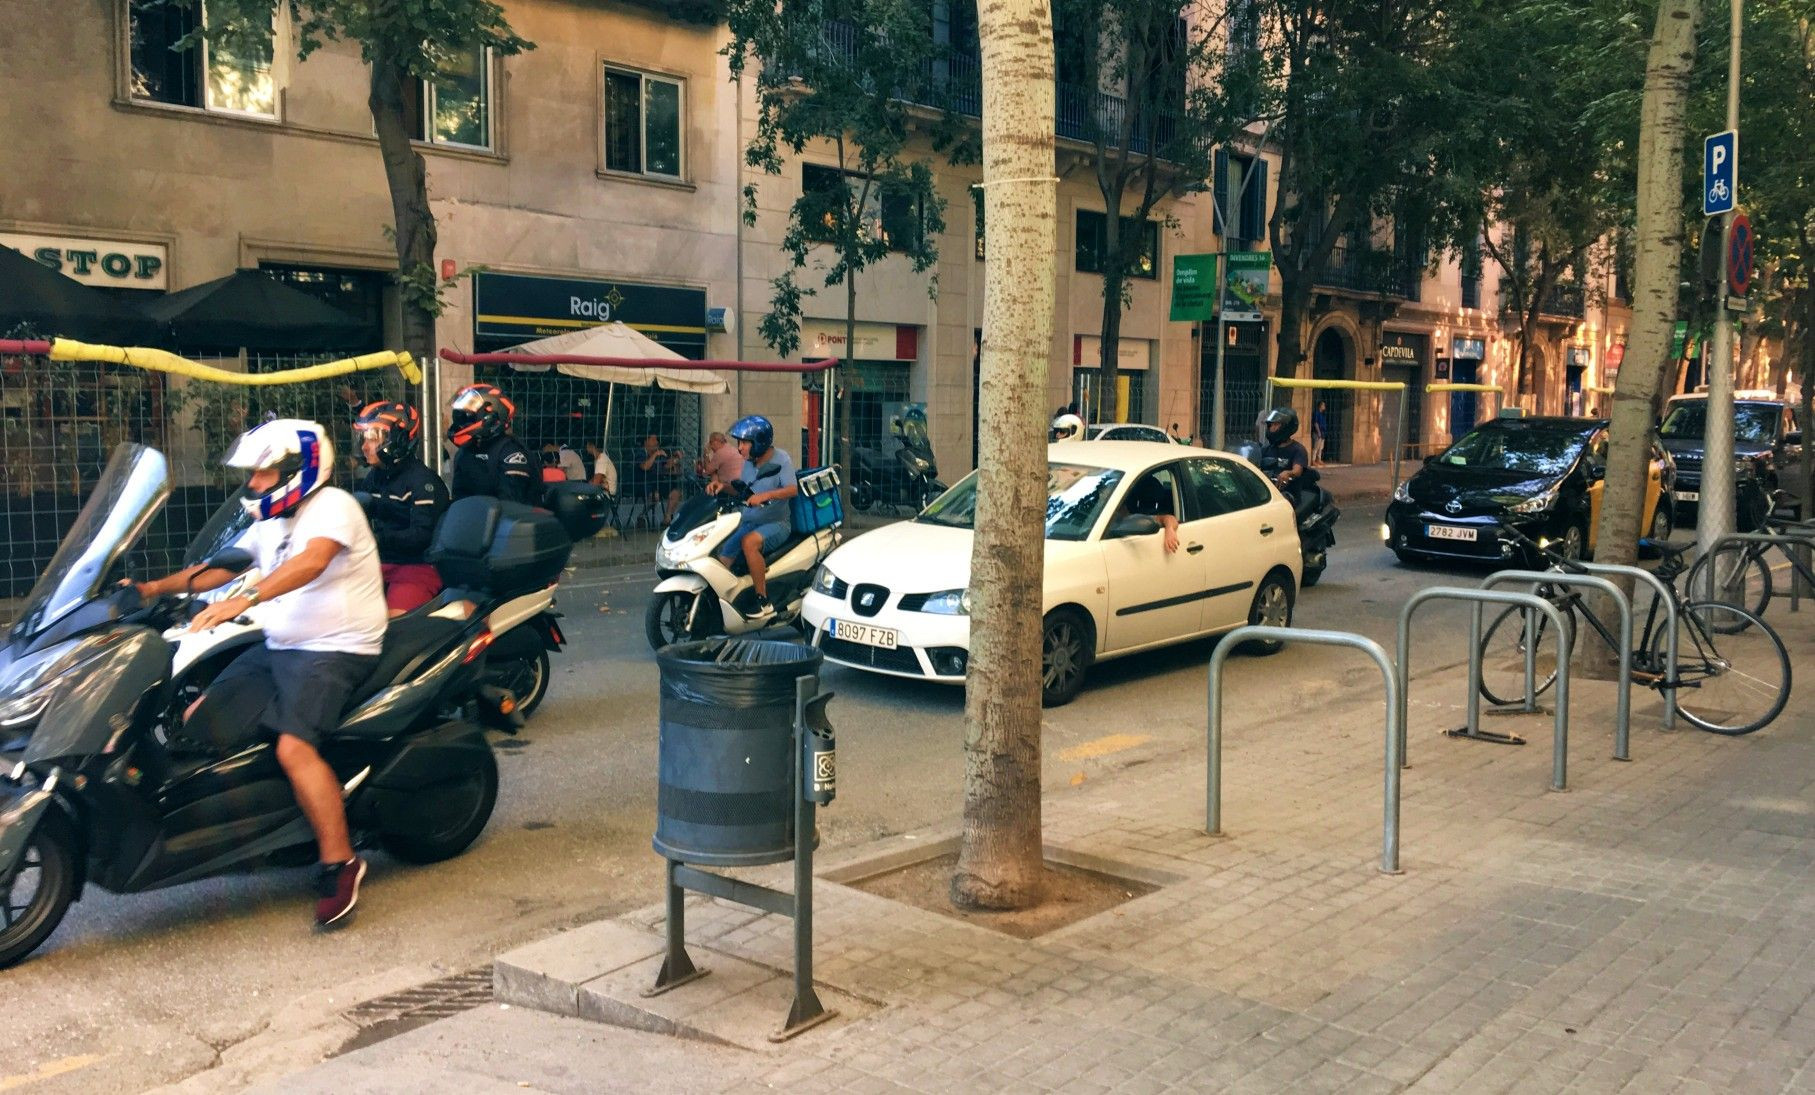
(1403, 492)
(1540, 504)
(950, 602)
(827, 583)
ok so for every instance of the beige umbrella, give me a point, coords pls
(617, 340)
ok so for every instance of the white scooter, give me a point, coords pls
(699, 597)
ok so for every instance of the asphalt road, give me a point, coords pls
(222, 981)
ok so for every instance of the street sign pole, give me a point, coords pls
(1220, 402)
(1715, 516)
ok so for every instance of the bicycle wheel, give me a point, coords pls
(1503, 655)
(1733, 670)
(1741, 578)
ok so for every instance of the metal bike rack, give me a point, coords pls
(1798, 541)
(1559, 764)
(1662, 592)
(1395, 726)
(1622, 714)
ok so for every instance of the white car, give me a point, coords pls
(893, 600)
(1126, 431)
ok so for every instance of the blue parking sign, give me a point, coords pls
(1720, 173)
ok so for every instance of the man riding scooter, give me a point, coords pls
(407, 501)
(1282, 452)
(1315, 510)
(324, 625)
(766, 524)
(487, 459)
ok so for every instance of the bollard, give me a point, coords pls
(1559, 780)
(1622, 717)
(1395, 732)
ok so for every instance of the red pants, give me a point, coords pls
(409, 585)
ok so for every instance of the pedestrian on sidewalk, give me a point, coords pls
(1320, 428)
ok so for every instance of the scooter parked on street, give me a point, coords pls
(906, 479)
(87, 676)
(699, 597)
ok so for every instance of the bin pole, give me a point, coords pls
(677, 969)
(806, 1011)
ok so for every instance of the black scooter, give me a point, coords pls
(1313, 506)
(907, 480)
(96, 795)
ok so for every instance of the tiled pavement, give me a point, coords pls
(1647, 931)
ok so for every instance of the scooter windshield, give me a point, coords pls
(123, 502)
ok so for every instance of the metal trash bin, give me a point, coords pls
(726, 750)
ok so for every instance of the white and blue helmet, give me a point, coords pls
(300, 452)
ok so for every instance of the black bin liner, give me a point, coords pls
(726, 750)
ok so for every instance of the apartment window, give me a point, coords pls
(643, 123)
(1249, 211)
(455, 109)
(230, 77)
(977, 201)
(895, 215)
(1091, 227)
(1471, 275)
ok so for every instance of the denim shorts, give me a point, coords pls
(775, 533)
(296, 692)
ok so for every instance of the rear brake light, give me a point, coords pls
(555, 630)
(479, 644)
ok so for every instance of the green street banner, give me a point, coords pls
(1246, 288)
(1193, 288)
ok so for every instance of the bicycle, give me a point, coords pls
(1707, 685)
(1742, 571)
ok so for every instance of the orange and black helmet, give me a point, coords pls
(480, 413)
(397, 427)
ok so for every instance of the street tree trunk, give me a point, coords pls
(407, 177)
(1659, 247)
(999, 860)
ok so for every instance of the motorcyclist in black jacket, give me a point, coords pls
(404, 502)
(1285, 459)
(487, 459)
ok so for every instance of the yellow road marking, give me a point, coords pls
(1103, 746)
(49, 1069)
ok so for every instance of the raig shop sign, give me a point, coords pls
(113, 264)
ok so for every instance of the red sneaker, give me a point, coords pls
(337, 885)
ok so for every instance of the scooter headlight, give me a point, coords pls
(28, 686)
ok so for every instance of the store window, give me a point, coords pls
(358, 293)
(230, 77)
(455, 109)
(1091, 228)
(887, 210)
(643, 123)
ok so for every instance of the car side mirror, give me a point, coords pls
(1429, 460)
(1596, 474)
(1135, 524)
(1794, 437)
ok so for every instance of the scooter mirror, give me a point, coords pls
(232, 559)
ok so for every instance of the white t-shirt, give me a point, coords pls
(342, 610)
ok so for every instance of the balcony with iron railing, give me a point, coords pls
(954, 82)
(1368, 270)
(1566, 300)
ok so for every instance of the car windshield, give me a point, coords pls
(1688, 421)
(1547, 452)
(1075, 497)
(120, 504)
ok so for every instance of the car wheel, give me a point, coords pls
(863, 496)
(1066, 647)
(1573, 542)
(1663, 524)
(1272, 607)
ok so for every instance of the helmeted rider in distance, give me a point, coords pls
(407, 501)
(768, 521)
(1066, 427)
(487, 459)
(324, 625)
(1277, 429)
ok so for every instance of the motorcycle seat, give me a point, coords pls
(409, 641)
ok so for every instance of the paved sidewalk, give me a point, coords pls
(1647, 931)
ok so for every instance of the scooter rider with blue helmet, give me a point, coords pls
(767, 523)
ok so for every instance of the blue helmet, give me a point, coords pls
(757, 430)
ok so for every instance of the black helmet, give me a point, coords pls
(480, 412)
(1279, 425)
(755, 429)
(397, 426)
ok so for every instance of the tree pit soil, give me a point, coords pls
(1072, 894)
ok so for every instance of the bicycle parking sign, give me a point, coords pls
(1720, 173)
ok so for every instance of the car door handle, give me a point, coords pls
(1266, 530)
(1193, 549)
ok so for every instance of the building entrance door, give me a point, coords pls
(1330, 361)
